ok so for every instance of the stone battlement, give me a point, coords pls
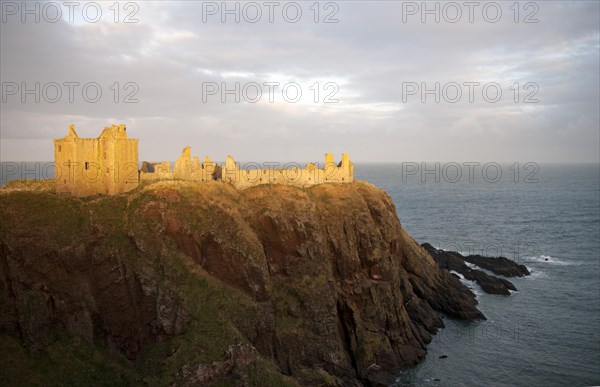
(109, 165)
(190, 168)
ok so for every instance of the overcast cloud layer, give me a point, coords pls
(367, 56)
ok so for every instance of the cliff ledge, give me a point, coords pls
(193, 284)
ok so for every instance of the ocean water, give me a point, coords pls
(544, 216)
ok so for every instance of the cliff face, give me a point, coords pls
(199, 283)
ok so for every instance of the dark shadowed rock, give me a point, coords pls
(451, 260)
(500, 265)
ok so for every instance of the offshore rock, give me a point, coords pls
(451, 260)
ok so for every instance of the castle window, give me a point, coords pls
(59, 148)
(87, 165)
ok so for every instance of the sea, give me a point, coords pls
(545, 216)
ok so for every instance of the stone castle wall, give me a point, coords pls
(190, 168)
(90, 166)
(109, 165)
(308, 176)
(156, 171)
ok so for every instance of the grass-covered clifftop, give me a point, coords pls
(204, 284)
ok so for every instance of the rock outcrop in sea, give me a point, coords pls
(188, 284)
(451, 260)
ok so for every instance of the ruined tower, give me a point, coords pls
(89, 166)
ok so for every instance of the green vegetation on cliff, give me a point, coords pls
(204, 284)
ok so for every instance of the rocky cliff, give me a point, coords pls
(197, 284)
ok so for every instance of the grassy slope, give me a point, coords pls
(70, 360)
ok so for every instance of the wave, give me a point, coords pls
(535, 274)
(473, 286)
(546, 259)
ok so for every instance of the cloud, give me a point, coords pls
(365, 60)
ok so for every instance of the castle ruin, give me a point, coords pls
(109, 165)
(89, 166)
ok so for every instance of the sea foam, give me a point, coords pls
(546, 259)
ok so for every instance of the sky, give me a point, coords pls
(289, 81)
